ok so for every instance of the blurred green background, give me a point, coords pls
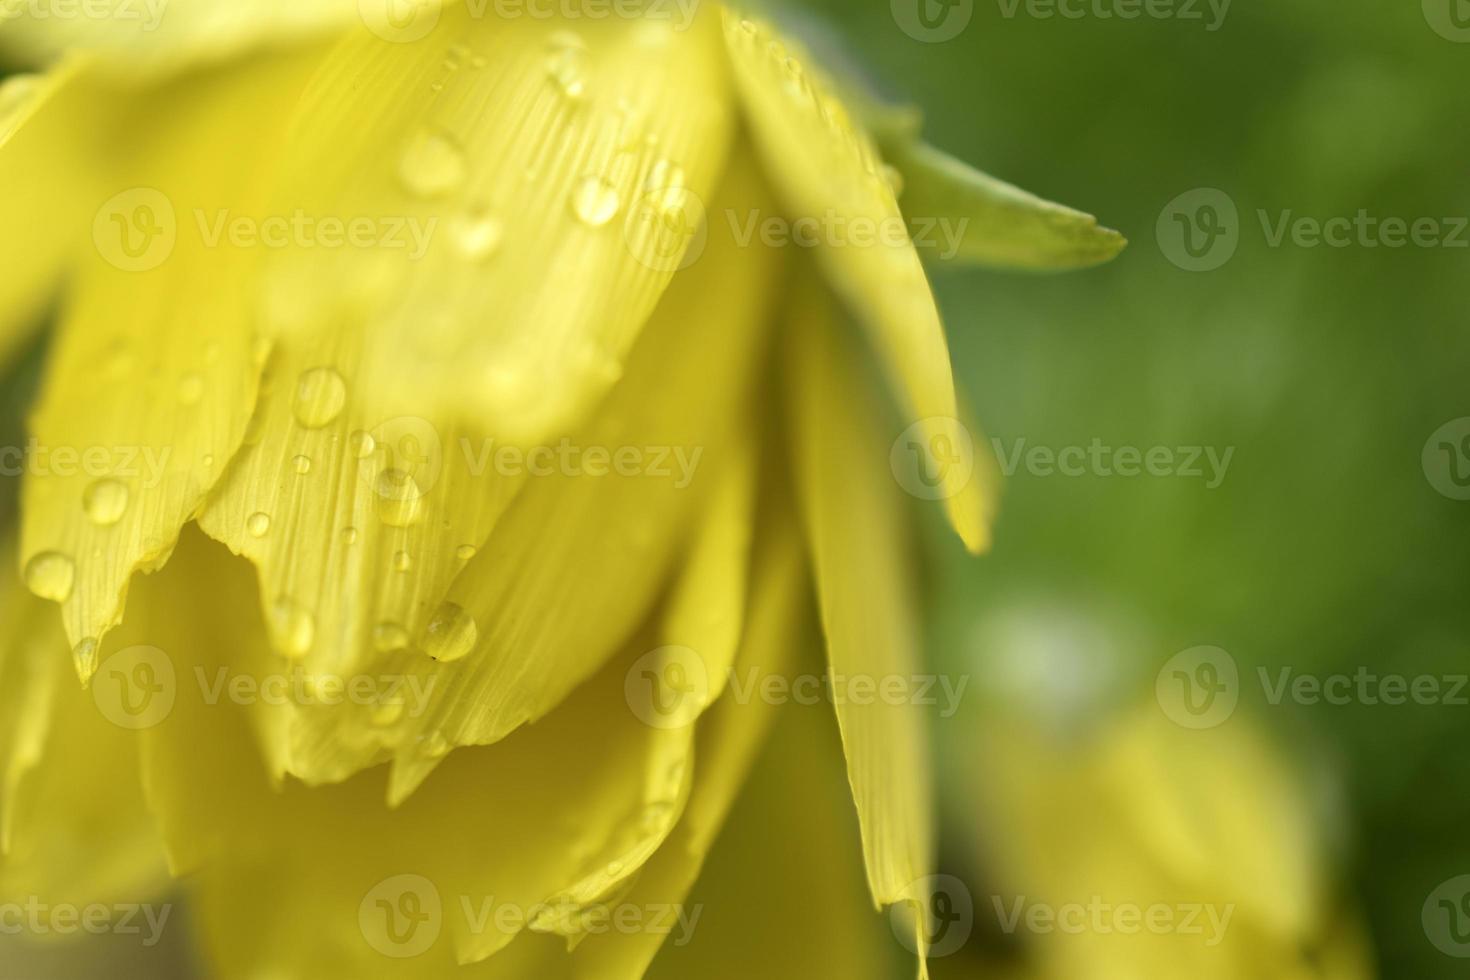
(1326, 547)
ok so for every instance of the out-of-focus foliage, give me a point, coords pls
(1324, 548)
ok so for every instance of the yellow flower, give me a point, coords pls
(1135, 847)
(475, 336)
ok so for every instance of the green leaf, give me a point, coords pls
(999, 224)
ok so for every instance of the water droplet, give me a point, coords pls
(665, 187)
(477, 234)
(301, 464)
(293, 629)
(388, 637)
(656, 815)
(320, 395)
(465, 552)
(362, 444)
(451, 633)
(400, 501)
(207, 461)
(595, 200)
(104, 501)
(568, 71)
(402, 561)
(433, 164)
(85, 655)
(51, 575)
(258, 524)
(349, 535)
(614, 868)
(191, 389)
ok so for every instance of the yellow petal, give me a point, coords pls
(374, 470)
(134, 38)
(729, 739)
(781, 895)
(73, 824)
(524, 163)
(575, 565)
(670, 687)
(286, 880)
(152, 376)
(1204, 820)
(50, 129)
(857, 531)
(826, 168)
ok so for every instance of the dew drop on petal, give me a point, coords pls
(320, 395)
(476, 234)
(362, 444)
(465, 552)
(349, 535)
(51, 575)
(451, 634)
(293, 629)
(402, 561)
(567, 70)
(258, 524)
(301, 464)
(433, 164)
(400, 501)
(105, 501)
(595, 201)
(85, 655)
